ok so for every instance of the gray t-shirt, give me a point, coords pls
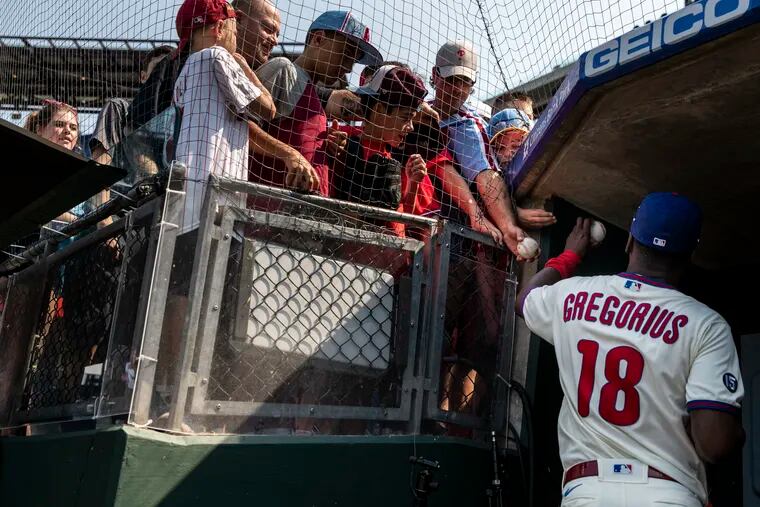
(109, 128)
(285, 81)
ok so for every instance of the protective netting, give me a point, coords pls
(69, 323)
(89, 75)
(362, 302)
(476, 290)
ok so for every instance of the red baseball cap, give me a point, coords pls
(194, 14)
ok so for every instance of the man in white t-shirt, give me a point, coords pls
(650, 376)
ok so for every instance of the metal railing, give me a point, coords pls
(296, 314)
(67, 327)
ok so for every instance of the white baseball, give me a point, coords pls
(527, 248)
(598, 232)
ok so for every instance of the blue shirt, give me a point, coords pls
(468, 142)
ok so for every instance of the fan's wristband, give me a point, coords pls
(565, 263)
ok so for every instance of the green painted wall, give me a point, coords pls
(128, 467)
(68, 470)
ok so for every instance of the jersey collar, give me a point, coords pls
(644, 279)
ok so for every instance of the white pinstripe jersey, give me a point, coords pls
(212, 92)
(634, 357)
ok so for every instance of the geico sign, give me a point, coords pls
(672, 29)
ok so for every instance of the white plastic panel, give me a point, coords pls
(320, 307)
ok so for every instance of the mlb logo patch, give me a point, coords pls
(634, 286)
(659, 242)
(621, 468)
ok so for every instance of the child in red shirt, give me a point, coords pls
(370, 175)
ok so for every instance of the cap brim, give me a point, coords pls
(364, 90)
(370, 54)
(456, 70)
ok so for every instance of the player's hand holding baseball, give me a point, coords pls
(579, 239)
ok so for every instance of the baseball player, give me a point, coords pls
(650, 376)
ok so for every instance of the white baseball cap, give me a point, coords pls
(457, 58)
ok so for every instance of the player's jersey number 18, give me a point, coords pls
(616, 385)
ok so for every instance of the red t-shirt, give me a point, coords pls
(425, 203)
(305, 129)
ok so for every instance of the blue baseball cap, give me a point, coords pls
(345, 23)
(509, 118)
(668, 222)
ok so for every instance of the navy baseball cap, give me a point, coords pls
(345, 23)
(668, 222)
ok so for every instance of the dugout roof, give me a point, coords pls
(42, 181)
(671, 105)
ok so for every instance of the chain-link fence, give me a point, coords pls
(68, 324)
(306, 316)
(315, 323)
(473, 310)
(289, 319)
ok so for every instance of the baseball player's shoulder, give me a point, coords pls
(561, 289)
(585, 282)
(699, 314)
(704, 313)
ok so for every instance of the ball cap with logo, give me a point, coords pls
(195, 14)
(668, 222)
(457, 58)
(344, 22)
(395, 85)
(506, 120)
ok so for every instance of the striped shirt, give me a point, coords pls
(212, 93)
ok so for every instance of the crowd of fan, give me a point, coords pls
(295, 124)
